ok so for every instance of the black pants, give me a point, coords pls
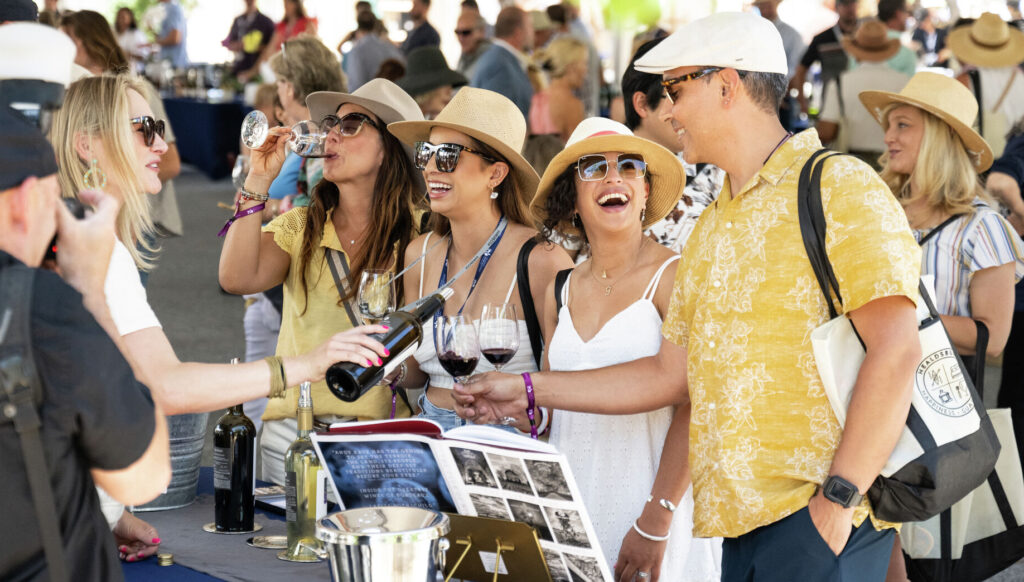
(1011, 387)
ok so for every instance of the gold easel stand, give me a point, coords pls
(486, 550)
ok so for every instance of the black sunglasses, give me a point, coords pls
(464, 31)
(594, 167)
(150, 128)
(447, 155)
(348, 125)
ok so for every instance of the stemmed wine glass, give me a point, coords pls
(307, 139)
(456, 344)
(376, 296)
(499, 333)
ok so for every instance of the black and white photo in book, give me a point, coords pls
(487, 506)
(556, 567)
(531, 514)
(583, 569)
(568, 527)
(511, 473)
(548, 480)
(474, 468)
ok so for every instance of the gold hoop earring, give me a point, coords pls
(94, 178)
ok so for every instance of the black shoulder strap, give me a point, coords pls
(938, 228)
(812, 226)
(526, 299)
(976, 86)
(23, 394)
(980, 347)
(560, 278)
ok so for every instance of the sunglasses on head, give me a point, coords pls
(447, 155)
(672, 92)
(149, 128)
(348, 125)
(594, 167)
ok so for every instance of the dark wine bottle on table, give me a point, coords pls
(349, 381)
(234, 479)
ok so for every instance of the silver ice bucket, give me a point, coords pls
(187, 434)
(385, 544)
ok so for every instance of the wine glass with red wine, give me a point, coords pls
(456, 344)
(499, 333)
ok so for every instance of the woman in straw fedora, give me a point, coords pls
(360, 215)
(475, 174)
(992, 51)
(604, 189)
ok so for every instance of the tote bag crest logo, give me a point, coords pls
(942, 385)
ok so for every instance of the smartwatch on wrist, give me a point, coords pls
(840, 491)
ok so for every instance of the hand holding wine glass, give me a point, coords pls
(306, 138)
(376, 296)
(455, 341)
(499, 333)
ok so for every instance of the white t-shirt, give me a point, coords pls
(863, 132)
(126, 297)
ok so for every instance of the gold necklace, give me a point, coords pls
(604, 273)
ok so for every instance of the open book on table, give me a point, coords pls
(471, 470)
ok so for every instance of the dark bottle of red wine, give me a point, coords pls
(349, 381)
(457, 366)
(498, 356)
(234, 478)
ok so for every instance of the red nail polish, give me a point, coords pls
(123, 549)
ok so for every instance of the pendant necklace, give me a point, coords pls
(604, 273)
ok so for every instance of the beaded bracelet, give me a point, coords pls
(531, 405)
(247, 195)
(648, 536)
(241, 214)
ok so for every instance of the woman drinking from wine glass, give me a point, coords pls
(360, 217)
(603, 190)
(478, 185)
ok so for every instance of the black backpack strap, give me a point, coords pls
(526, 299)
(560, 279)
(23, 395)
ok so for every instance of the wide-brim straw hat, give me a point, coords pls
(597, 135)
(988, 42)
(486, 116)
(382, 97)
(426, 70)
(943, 97)
(871, 42)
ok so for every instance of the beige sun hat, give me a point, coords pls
(871, 42)
(486, 116)
(988, 42)
(943, 97)
(596, 135)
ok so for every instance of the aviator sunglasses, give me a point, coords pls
(594, 167)
(447, 155)
(149, 128)
(348, 126)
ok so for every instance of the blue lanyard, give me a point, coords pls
(480, 266)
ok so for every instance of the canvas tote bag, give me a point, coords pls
(948, 446)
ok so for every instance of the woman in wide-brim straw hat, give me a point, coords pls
(605, 188)
(360, 214)
(470, 159)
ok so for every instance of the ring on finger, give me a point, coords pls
(643, 575)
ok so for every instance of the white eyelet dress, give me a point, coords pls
(615, 458)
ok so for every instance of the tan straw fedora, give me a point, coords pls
(486, 116)
(988, 42)
(871, 42)
(596, 135)
(943, 97)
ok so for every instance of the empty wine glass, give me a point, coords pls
(376, 296)
(456, 344)
(499, 333)
(307, 138)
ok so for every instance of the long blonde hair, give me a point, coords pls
(557, 57)
(943, 172)
(98, 107)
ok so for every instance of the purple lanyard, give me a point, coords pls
(480, 266)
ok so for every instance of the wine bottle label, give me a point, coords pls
(402, 356)
(291, 498)
(221, 468)
(321, 494)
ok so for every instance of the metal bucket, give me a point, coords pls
(188, 434)
(385, 544)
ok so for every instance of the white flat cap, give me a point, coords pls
(738, 40)
(35, 51)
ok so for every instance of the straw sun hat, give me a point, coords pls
(988, 42)
(597, 135)
(489, 118)
(871, 42)
(943, 97)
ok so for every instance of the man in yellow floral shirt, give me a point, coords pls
(763, 437)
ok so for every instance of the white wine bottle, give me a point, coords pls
(303, 483)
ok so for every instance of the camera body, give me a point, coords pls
(77, 209)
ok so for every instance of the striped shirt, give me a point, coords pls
(969, 244)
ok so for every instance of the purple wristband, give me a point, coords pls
(531, 404)
(241, 214)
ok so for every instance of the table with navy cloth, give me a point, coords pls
(200, 556)
(207, 132)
